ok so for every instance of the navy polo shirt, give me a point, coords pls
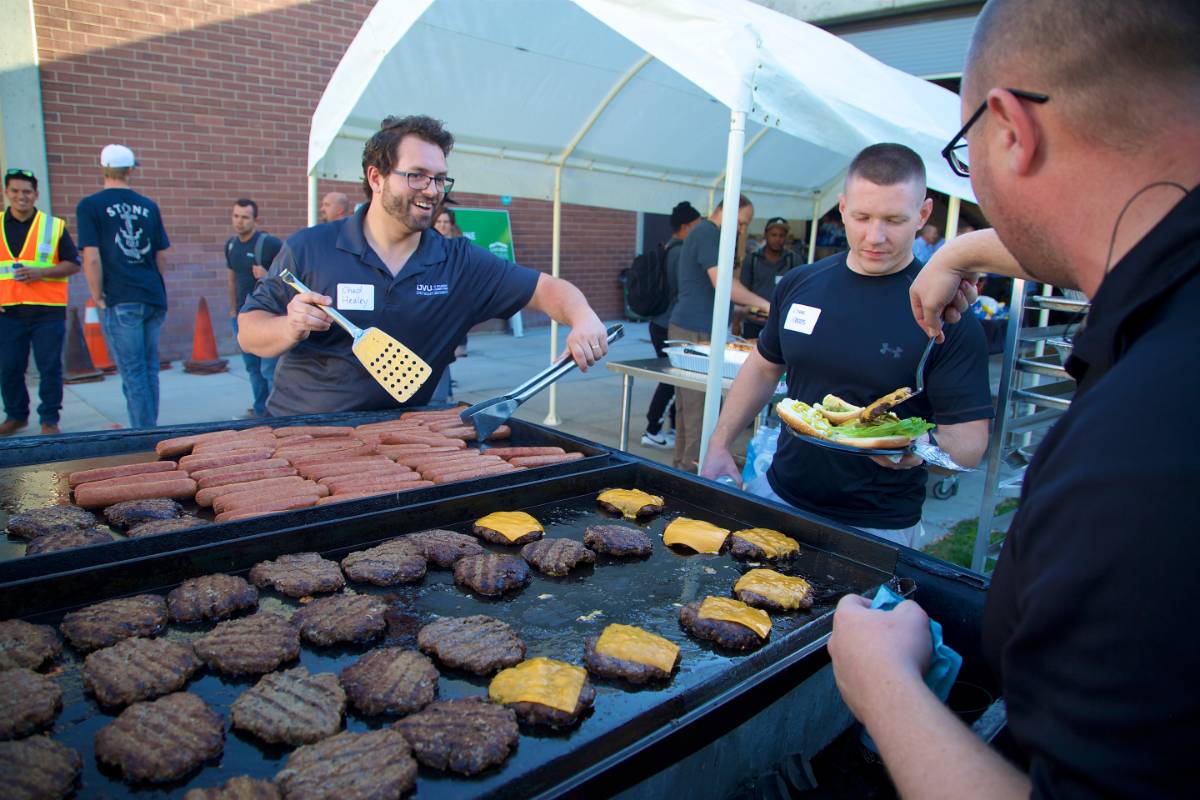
(447, 286)
(1091, 617)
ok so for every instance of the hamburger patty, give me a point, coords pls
(464, 735)
(243, 787)
(28, 701)
(607, 666)
(250, 645)
(495, 537)
(557, 557)
(162, 739)
(390, 680)
(729, 635)
(37, 768)
(478, 644)
(350, 766)
(491, 574)
(746, 550)
(156, 526)
(298, 575)
(129, 513)
(23, 644)
(214, 596)
(109, 622)
(138, 669)
(618, 540)
(68, 540)
(51, 519)
(443, 548)
(341, 618)
(394, 561)
(539, 714)
(292, 707)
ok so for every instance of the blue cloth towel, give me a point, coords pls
(943, 666)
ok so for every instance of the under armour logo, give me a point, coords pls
(894, 352)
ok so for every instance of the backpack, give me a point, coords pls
(646, 286)
(258, 247)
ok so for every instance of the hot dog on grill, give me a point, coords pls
(103, 473)
(96, 495)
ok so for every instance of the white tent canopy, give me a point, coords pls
(630, 104)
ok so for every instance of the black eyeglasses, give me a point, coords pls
(955, 153)
(24, 173)
(419, 181)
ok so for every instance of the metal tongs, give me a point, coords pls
(488, 415)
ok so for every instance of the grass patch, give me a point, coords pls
(958, 545)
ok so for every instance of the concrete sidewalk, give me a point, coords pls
(589, 405)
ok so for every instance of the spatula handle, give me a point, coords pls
(294, 282)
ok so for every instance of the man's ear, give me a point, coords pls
(1013, 131)
(842, 206)
(375, 179)
(926, 210)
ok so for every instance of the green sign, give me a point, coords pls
(488, 228)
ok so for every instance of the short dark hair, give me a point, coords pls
(20, 175)
(380, 150)
(1116, 69)
(887, 164)
(246, 202)
(743, 201)
(682, 214)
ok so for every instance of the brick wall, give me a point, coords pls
(215, 97)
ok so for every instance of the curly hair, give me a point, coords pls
(380, 150)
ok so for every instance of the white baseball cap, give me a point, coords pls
(117, 156)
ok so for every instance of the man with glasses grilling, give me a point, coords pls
(386, 267)
(1084, 152)
(37, 257)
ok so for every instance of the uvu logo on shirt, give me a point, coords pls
(432, 289)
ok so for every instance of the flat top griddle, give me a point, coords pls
(553, 616)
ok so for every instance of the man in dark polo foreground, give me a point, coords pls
(1082, 121)
(385, 267)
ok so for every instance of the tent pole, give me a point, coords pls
(313, 201)
(720, 320)
(555, 245)
(952, 208)
(812, 234)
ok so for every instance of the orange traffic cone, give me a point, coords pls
(204, 359)
(77, 363)
(94, 336)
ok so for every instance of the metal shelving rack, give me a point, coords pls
(1035, 390)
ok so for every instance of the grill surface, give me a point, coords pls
(552, 615)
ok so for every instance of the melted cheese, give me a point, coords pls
(641, 647)
(629, 501)
(773, 543)
(556, 684)
(703, 537)
(512, 525)
(730, 610)
(783, 590)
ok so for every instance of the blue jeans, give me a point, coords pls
(261, 372)
(132, 333)
(43, 328)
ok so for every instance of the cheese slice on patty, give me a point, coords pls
(729, 610)
(556, 684)
(783, 590)
(512, 525)
(703, 537)
(773, 543)
(629, 501)
(641, 647)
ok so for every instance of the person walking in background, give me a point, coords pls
(683, 218)
(248, 255)
(763, 268)
(37, 257)
(124, 258)
(928, 242)
(691, 318)
(335, 206)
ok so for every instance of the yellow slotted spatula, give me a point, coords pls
(396, 368)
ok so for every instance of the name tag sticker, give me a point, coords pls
(355, 297)
(802, 318)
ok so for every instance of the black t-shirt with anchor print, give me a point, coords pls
(127, 229)
(839, 332)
